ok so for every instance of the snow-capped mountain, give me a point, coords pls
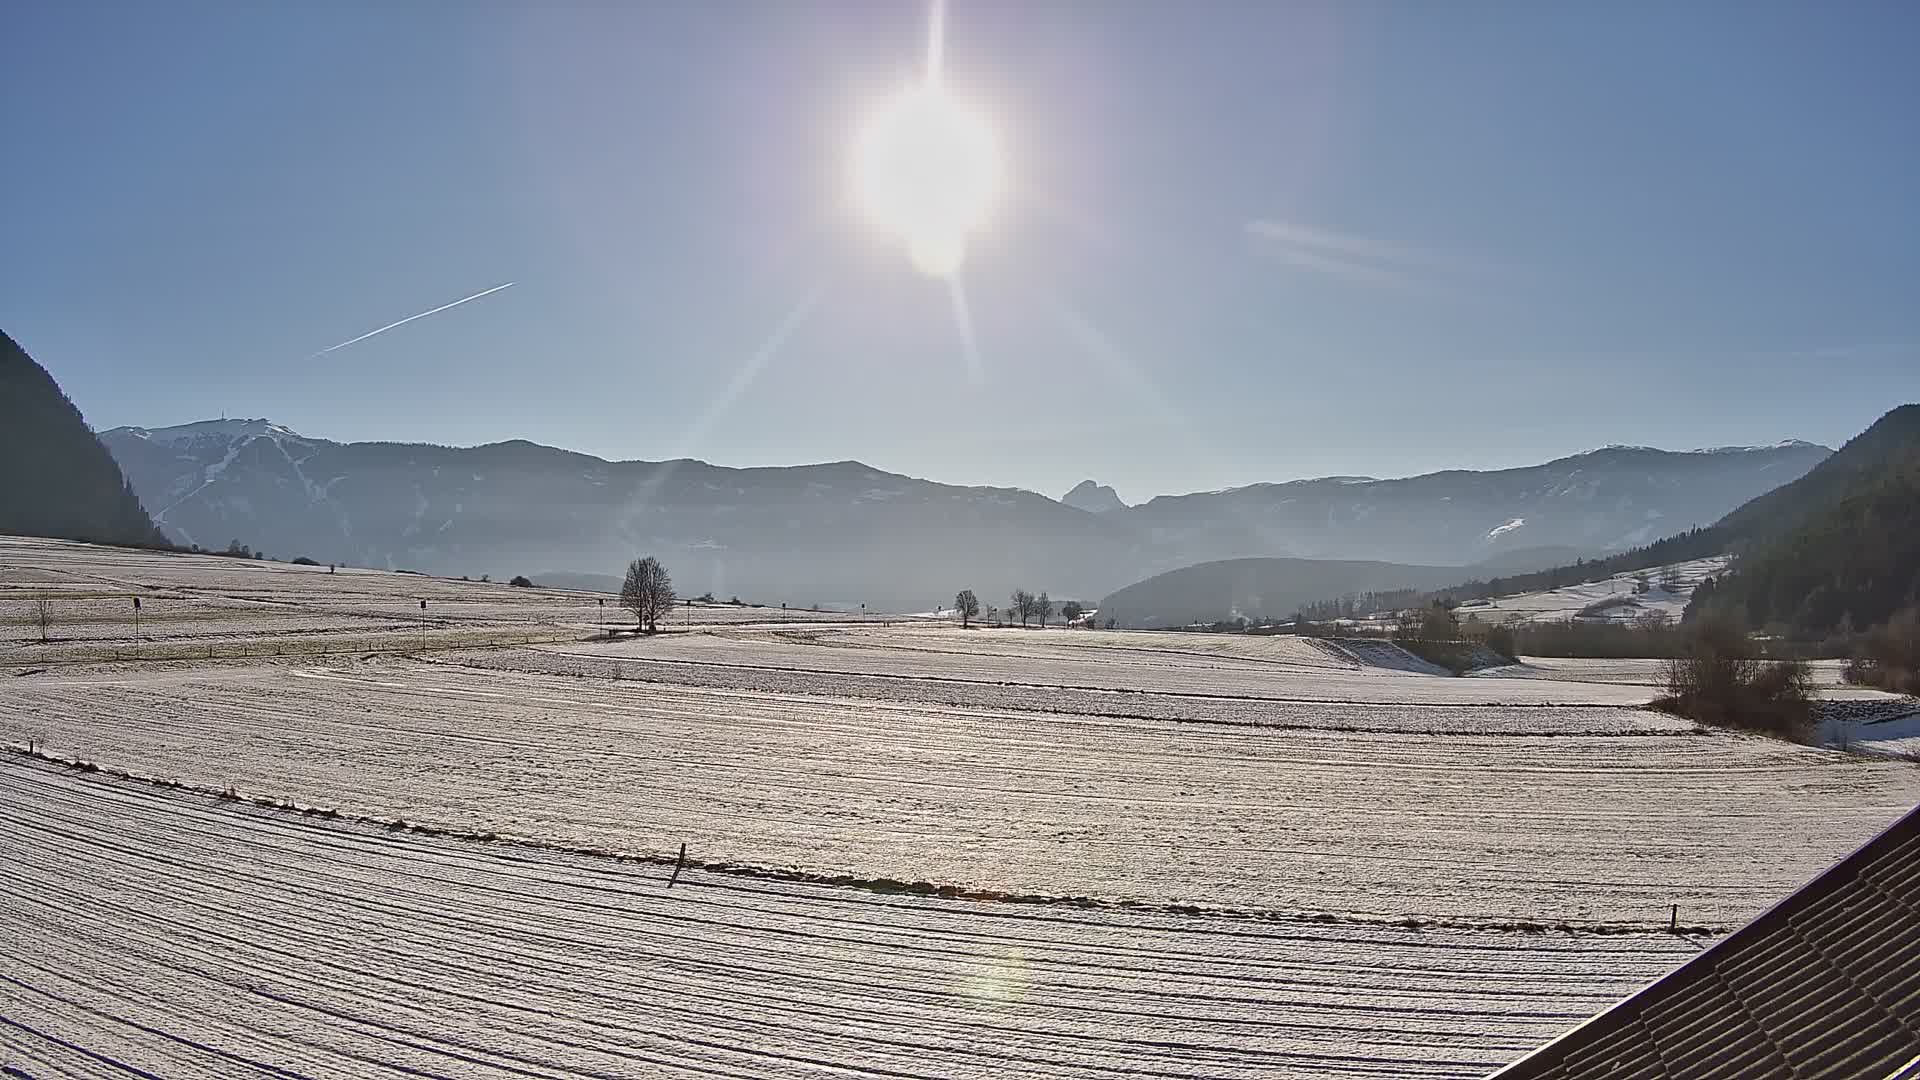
(1093, 498)
(845, 532)
(1604, 500)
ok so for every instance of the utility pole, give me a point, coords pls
(603, 617)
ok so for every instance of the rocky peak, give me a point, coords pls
(1093, 498)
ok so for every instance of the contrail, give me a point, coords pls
(936, 39)
(410, 318)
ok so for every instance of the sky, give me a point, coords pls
(1237, 242)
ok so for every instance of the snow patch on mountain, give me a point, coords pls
(1783, 444)
(1501, 530)
(235, 430)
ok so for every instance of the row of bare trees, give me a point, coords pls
(1028, 606)
(1023, 605)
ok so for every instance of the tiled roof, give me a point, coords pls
(1825, 984)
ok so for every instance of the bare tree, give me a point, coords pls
(967, 604)
(647, 592)
(43, 615)
(1071, 611)
(1021, 605)
(1043, 608)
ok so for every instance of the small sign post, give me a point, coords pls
(423, 623)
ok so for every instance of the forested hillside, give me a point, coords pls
(55, 477)
(1839, 549)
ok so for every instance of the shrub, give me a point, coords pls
(1599, 639)
(1431, 623)
(521, 581)
(1718, 679)
(1889, 655)
(1501, 640)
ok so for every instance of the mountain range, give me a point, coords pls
(1276, 588)
(843, 533)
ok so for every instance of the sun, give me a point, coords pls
(927, 169)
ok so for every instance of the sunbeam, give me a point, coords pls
(750, 369)
(963, 320)
(1097, 346)
(741, 379)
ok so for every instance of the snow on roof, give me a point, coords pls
(1822, 984)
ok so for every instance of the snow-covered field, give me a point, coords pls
(1514, 814)
(255, 607)
(168, 932)
(1631, 671)
(1611, 599)
(1162, 854)
(1269, 668)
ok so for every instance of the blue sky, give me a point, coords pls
(1240, 242)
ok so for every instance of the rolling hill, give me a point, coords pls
(1276, 588)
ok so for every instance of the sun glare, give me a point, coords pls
(927, 169)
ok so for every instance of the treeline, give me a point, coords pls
(1358, 605)
(1614, 641)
